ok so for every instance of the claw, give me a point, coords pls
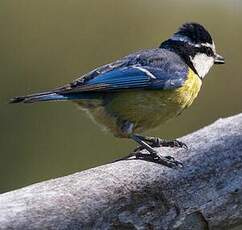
(170, 161)
(180, 144)
(174, 143)
(174, 163)
(170, 158)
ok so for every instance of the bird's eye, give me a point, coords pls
(209, 52)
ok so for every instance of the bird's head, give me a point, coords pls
(196, 46)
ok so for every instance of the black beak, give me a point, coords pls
(218, 59)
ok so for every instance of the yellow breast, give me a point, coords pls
(189, 91)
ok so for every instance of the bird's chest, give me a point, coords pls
(185, 95)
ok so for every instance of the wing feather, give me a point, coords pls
(130, 78)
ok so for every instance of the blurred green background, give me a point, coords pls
(47, 43)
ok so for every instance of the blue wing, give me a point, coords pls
(133, 77)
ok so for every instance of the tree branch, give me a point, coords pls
(135, 194)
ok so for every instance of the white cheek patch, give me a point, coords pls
(202, 64)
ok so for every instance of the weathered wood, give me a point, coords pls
(134, 194)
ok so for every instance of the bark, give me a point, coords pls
(134, 194)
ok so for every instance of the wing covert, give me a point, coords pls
(132, 77)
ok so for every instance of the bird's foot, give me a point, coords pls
(148, 143)
(155, 157)
(158, 142)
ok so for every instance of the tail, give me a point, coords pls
(45, 96)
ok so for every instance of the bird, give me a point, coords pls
(144, 89)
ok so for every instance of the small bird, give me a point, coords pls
(144, 89)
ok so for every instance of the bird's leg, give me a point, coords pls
(157, 142)
(153, 155)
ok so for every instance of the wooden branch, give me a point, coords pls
(135, 194)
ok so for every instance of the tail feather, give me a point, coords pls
(52, 96)
(46, 96)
